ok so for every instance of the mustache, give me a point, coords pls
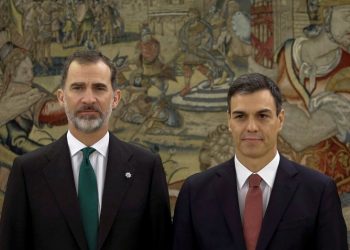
(89, 107)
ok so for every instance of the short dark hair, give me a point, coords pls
(88, 57)
(250, 83)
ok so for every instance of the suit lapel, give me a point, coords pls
(226, 192)
(283, 190)
(116, 185)
(59, 175)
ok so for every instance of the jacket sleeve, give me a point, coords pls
(184, 235)
(159, 209)
(15, 226)
(331, 232)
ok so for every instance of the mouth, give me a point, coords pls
(88, 111)
(252, 139)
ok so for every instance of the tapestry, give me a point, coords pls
(176, 60)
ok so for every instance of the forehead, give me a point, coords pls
(77, 64)
(252, 102)
(89, 71)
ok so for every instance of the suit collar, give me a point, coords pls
(75, 145)
(59, 175)
(226, 182)
(267, 173)
(116, 184)
(283, 190)
(284, 187)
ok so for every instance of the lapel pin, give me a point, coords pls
(128, 175)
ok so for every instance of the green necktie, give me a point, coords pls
(88, 199)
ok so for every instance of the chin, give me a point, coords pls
(251, 153)
(88, 118)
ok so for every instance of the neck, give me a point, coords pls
(88, 138)
(255, 164)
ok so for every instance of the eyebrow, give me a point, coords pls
(259, 111)
(238, 112)
(93, 84)
(77, 84)
(265, 111)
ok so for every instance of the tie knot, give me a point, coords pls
(254, 180)
(87, 152)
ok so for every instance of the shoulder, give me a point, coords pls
(45, 152)
(314, 177)
(307, 176)
(131, 151)
(203, 179)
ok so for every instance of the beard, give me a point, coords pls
(88, 123)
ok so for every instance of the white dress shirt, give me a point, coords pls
(98, 160)
(267, 173)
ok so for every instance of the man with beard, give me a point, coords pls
(87, 190)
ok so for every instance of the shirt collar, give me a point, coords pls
(75, 145)
(267, 173)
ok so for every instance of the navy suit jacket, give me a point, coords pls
(41, 208)
(303, 212)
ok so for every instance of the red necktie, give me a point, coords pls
(253, 212)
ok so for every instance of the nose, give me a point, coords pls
(252, 126)
(88, 96)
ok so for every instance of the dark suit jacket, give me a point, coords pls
(41, 209)
(303, 212)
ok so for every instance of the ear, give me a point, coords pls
(60, 97)
(116, 98)
(281, 117)
(228, 121)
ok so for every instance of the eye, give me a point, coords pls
(263, 116)
(76, 87)
(238, 117)
(100, 87)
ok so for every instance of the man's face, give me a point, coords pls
(88, 96)
(254, 125)
(340, 25)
